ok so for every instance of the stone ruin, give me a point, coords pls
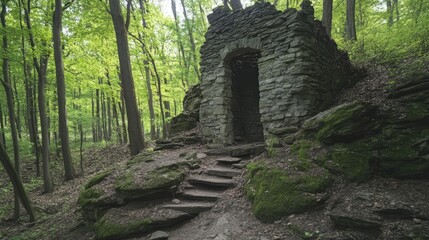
(265, 71)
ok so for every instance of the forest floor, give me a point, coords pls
(232, 218)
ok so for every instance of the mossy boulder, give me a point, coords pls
(344, 123)
(275, 193)
(96, 197)
(132, 219)
(182, 123)
(353, 161)
(143, 157)
(404, 152)
(137, 183)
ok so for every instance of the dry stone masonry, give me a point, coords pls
(265, 71)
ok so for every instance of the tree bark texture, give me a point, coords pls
(61, 91)
(16, 182)
(44, 121)
(10, 106)
(350, 19)
(327, 16)
(127, 82)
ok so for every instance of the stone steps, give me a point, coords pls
(203, 195)
(190, 207)
(223, 172)
(211, 181)
(228, 160)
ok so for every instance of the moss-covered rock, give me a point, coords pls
(89, 196)
(143, 157)
(350, 160)
(343, 123)
(274, 193)
(405, 152)
(133, 184)
(129, 220)
(97, 178)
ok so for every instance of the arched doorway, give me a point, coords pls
(247, 126)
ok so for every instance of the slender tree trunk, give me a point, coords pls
(18, 109)
(16, 182)
(389, 9)
(127, 81)
(3, 136)
(191, 39)
(327, 16)
(180, 44)
(97, 111)
(94, 128)
(123, 118)
(10, 105)
(29, 93)
(109, 119)
(118, 127)
(147, 76)
(350, 15)
(61, 91)
(104, 116)
(396, 6)
(161, 107)
(44, 122)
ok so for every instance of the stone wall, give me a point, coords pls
(300, 68)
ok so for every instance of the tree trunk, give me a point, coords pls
(191, 39)
(350, 16)
(16, 182)
(10, 105)
(147, 75)
(389, 9)
(61, 91)
(97, 112)
(123, 118)
(327, 16)
(396, 6)
(44, 125)
(94, 129)
(18, 109)
(127, 81)
(3, 136)
(180, 45)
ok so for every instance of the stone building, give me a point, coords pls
(265, 71)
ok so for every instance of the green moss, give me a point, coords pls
(349, 160)
(88, 196)
(97, 178)
(106, 229)
(125, 182)
(272, 143)
(416, 111)
(156, 179)
(301, 149)
(141, 158)
(275, 194)
(404, 153)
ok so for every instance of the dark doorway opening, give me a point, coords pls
(247, 124)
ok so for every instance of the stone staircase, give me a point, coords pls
(201, 190)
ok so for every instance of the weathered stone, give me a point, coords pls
(284, 59)
(159, 235)
(119, 223)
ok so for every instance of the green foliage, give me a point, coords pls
(274, 193)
